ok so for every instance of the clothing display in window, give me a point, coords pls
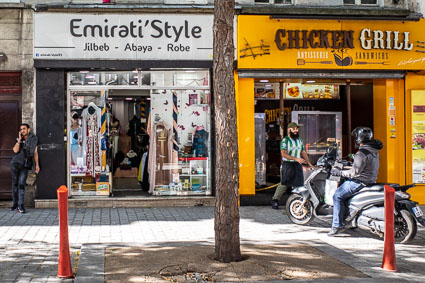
(200, 143)
(76, 147)
(92, 139)
(160, 156)
(114, 132)
(134, 129)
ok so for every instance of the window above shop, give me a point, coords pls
(141, 79)
(361, 2)
(273, 1)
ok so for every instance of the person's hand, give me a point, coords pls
(19, 136)
(37, 168)
(300, 160)
(336, 172)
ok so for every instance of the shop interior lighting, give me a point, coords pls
(264, 81)
(310, 82)
(84, 72)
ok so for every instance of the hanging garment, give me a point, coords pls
(200, 143)
(160, 156)
(92, 139)
(76, 148)
(115, 134)
(134, 129)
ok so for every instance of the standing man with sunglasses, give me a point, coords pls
(25, 151)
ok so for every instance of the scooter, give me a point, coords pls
(364, 210)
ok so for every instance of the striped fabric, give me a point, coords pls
(103, 128)
(292, 147)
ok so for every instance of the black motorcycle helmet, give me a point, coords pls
(362, 135)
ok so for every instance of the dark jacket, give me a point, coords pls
(27, 147)
(365, 165)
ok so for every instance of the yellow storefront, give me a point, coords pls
(382, 61)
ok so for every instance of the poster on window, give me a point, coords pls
(311, 91)
(418, 136)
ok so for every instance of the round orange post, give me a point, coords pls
(64, 266)
(389, 259)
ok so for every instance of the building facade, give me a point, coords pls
(331, 71)
(359, 55)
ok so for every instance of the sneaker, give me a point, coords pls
(21, 210)
(275, 204)
(335, 230)
(13, 208)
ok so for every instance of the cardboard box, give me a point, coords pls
(102, 188)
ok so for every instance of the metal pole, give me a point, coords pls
(282, 107)
(348, 94)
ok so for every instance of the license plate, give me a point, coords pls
(417, 211)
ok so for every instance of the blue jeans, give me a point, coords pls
(345, 191)
(19, 179)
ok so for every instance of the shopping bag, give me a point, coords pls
(330, 189)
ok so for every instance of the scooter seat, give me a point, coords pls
(376, 187)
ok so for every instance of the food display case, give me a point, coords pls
(260, 148)
(319, 129)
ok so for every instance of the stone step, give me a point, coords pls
(152, 201)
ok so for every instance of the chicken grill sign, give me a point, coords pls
(333, 44)
(113, 36)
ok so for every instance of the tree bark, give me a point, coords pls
(226, 221)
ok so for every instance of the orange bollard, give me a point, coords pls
(64, 266)
(389, 259)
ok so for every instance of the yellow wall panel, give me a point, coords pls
(246, 135)
(388, 109)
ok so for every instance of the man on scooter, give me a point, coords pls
(364, 171)
(293, 156)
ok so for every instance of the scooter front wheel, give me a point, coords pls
(298, 212)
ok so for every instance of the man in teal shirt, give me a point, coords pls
(293, 156)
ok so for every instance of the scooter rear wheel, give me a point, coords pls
(297, 212)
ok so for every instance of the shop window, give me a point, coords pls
(418, 135)
(180, 142)
(155, 130)
(104, 78)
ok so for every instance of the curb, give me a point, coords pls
(91, 267)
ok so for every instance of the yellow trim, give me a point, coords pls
(392, 156)
(244, 92)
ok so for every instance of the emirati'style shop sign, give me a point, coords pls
(266, 43)
(60, 36)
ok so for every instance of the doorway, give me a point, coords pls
(10, 115)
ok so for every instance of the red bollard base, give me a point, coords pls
(64, 265)
(389, 258)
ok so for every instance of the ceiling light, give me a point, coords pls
(310, 82)
(264, 81)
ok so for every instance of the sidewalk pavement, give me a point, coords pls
(105, 242)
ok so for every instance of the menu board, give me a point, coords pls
(311, 91)
(418, 136)
(266, 90)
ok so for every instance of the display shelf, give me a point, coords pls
(192, 158)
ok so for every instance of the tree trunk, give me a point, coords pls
(226, 221)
